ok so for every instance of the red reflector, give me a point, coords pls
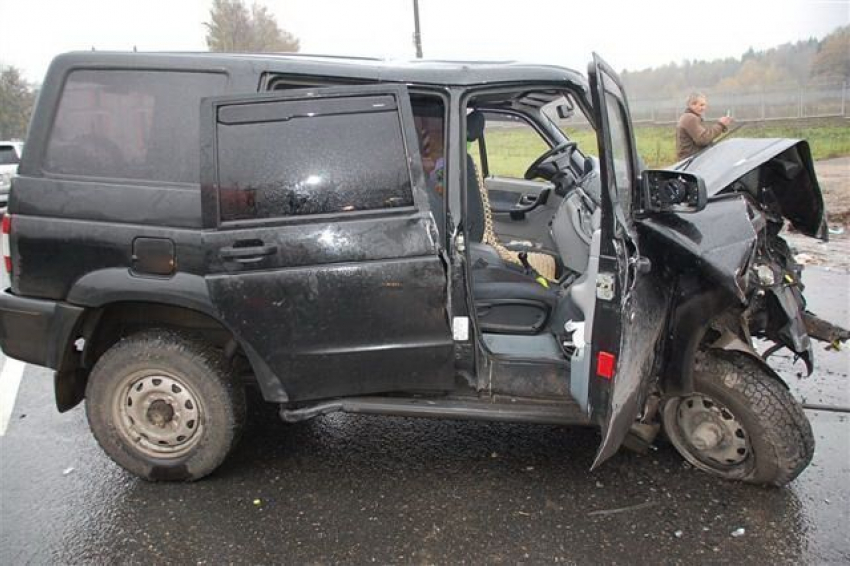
(8, 262)
(605, 363)
(7, 224)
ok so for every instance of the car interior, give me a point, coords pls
(531, 219)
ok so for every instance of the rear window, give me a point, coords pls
(8, 155)
(130, 124)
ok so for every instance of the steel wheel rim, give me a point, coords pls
(158, 414)
(708, 434)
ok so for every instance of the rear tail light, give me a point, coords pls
(4, 238)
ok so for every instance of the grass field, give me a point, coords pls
(511, 150)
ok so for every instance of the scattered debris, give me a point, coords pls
(739, 532)
(602, 512)
(494, 455)
(258, 502)
(836, 230)
(678, 534)
(67, 471)
(806, 259)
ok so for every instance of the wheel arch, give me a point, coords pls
(697, 307)
(118, 304)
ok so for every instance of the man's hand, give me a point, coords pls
(726, 120)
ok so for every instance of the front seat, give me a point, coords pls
(507, 300)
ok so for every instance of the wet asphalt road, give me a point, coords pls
(368, 489)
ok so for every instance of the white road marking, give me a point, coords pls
(10, 379)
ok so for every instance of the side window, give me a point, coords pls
(511, 143)
(617, 124)
(8, 155)
(130, 124)
(430, 122)
(301, 157)
(576, 127)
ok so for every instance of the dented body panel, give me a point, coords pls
(749, 165)
(755, 186)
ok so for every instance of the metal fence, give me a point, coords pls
(789, 103)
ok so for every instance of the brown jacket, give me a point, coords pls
(692, 134)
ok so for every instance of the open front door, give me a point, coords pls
(629, 313)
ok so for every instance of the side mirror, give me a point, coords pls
(672, 191)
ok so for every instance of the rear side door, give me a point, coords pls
(629, 314)
(321, 250)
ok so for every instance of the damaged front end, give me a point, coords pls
(754, 187)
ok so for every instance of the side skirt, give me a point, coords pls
(505, 409)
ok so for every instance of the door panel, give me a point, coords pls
(630, 308)
(507, 194)
(321, 252)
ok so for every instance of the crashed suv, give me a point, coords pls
(424, 239)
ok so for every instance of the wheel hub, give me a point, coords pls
(711, 432)
(159, 414)
(707, 436)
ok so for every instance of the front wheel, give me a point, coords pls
(165, 405)
(740, 423)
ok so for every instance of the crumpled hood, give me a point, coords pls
(788, 170)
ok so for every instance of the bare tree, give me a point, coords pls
(16, 103)
(235, 28)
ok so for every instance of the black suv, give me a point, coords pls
(424, 239)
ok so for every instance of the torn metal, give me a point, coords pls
(754, 187)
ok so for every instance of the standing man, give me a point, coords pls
(692, 133)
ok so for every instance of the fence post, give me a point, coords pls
(762, 104)
(844, 99)
(800, 110)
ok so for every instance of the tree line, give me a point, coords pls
(791, 63)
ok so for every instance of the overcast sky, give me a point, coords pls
(629, 34)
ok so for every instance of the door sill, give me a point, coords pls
(504, 409)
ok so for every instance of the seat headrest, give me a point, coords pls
(474, 126)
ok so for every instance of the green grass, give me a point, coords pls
(512, 150)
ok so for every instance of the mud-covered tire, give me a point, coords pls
(189, 408)
(771, 439)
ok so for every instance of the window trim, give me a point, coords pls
(298, 81)
(338, 216)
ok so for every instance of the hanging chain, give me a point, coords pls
(542, 263)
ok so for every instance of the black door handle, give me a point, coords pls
(251, 253)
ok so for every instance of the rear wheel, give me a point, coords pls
(740, 423)
(165, 406)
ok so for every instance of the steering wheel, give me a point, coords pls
(565, 147)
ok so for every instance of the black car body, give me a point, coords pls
(283, 211)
